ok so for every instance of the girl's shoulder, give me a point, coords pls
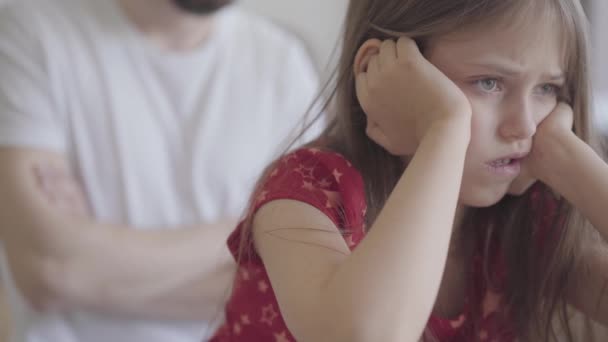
(322, 178)
(318, 177)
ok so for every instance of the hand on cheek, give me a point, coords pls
(538, 163)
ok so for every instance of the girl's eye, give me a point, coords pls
(550, 89)
(488, 84)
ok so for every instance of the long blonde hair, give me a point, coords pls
(537, 277)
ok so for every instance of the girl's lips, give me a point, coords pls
(505, 168)
(508, 166)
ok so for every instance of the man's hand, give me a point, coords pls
(61, 191)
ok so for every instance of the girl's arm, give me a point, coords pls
(572, 168)
(385, 289)
(581, 176)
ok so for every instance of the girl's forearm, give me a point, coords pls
(395, 273)
(576, 172)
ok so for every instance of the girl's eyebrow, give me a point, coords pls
(511, 69)
(557, 77)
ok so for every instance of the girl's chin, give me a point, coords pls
(483, 198)
(520, 186)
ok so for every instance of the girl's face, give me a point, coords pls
(512, 77)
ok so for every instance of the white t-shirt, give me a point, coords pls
(157, 138)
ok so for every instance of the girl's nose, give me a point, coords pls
(519, 122)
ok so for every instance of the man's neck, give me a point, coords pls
(167, 26)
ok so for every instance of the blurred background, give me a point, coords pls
(318, 24)
(319, 29)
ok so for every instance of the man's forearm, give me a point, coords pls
(172, 273)
(61, 258)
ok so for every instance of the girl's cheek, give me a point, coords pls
(544, 111)
(477, 129)
(484, 123)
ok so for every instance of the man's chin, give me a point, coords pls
(201, 7)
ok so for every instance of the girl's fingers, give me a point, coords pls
(373, 68)
(406, 47)
(565, 114)
(388, 53)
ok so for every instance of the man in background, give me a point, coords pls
(131, 133)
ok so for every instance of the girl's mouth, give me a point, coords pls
(505, 167)
(502, 162)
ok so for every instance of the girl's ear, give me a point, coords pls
(369, 49)
(364, 55)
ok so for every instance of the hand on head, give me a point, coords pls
(403, 94)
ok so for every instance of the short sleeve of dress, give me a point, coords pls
(322, 179)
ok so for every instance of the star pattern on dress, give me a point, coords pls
(491, 303)
(269, 314)
(288, 158)
(261, 196)
(274, 172)
(236, 329)
(308, 186)
(337, 175)
(306, 172)
(324, 183)
(256, 270)
(458, 322)
(262, 286)
(282, 337)
(245, 319)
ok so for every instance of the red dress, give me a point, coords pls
(327, 181)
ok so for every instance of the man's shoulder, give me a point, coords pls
(41, 17)
(34, 11)
(267, 44)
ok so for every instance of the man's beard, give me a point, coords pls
(202, 7)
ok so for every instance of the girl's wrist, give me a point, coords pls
(456, 128)
(556, 159)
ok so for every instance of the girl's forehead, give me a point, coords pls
(539, 43)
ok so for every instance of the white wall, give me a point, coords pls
(317, 22)
(597, 10)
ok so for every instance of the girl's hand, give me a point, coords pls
(537, 166)
(403, 94)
